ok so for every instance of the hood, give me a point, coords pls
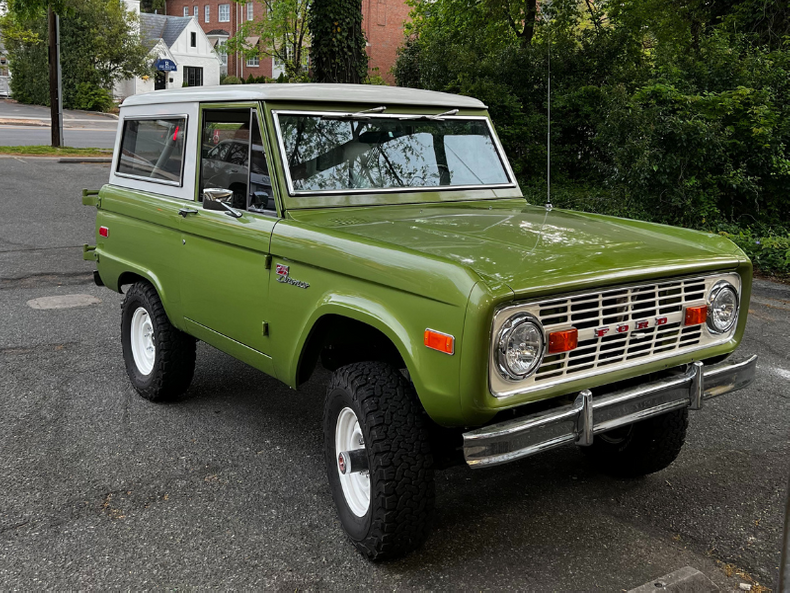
(527, 247)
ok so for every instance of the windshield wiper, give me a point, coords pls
(357, 115)
(437, 117)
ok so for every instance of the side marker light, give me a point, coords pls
(439, 341)
(104, 231)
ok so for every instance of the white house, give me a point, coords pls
(180, 52)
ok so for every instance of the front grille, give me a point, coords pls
(643, 323)
(618, 308)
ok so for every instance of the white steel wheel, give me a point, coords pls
(356, 486)
(142, 341)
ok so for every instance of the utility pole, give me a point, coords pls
(55, 95)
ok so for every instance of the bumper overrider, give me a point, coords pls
(587, 416)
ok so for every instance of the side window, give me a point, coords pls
(153, 149)
(228, 138)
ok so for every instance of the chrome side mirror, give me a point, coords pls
(217, 198)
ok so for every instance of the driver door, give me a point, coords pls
(226, 261)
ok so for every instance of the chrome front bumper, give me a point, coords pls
(579, 422)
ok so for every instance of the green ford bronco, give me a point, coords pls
(381, 232)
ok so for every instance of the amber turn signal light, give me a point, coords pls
(696, 315)
(563, 341)
(439, 341)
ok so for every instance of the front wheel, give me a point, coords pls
(641, 448)
(378, 459)
(160, 360)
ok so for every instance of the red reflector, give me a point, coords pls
(175, 134)
(563, 341)
(104, 231)
(439, 341)
(696, 315)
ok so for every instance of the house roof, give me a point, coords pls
(325, 93)
(154, 27)
(218, 32)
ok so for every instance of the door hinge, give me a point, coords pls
(265, 328)
(267, 262)
(89, 253)
(90, 197)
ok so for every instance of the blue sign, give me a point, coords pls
(165, 65)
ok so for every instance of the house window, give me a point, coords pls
(186, 11)
(224, 13)
(207, 13)
(193, 39)
(193, 76)
(253, 62)
(194, 11)
(249, 11)
(223, 55)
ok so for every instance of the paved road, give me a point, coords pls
(81, 129)
(76, 138)
(226, 489)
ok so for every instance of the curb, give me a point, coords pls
(7, 121)
(84, 159)
(686, 580)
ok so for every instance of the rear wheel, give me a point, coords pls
(160, 360)
(641, 448)
(378, 459)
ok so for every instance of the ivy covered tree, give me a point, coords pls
(338, 49)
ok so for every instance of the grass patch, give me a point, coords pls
(49, 151)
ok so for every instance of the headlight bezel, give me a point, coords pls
(715, 291)
(508, 327)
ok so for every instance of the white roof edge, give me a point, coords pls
(324, 93)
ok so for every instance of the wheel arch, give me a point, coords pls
(384, 339)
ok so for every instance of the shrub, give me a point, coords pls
(231, 80)
(92, 98)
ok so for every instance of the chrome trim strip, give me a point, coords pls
(370, 190)
(586, 416)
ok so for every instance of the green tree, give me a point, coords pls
(283, 34)
(676, 111)
(152, 6)
(338, 49)
(99, 46)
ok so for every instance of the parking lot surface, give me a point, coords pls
(227, 488)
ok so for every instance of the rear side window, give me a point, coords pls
(153, 149)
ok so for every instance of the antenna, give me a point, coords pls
(548, 127)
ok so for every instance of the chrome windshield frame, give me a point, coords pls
(370, 190)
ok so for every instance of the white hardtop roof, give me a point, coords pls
(324, 93)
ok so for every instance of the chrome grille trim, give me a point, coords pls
(613, 308)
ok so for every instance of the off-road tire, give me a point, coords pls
(649, 446)
(174, 358)
(397, 443)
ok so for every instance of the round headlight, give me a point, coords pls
(520, 346)
(722, 307)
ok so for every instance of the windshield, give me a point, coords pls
(338, 152)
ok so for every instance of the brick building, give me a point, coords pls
(382, 22)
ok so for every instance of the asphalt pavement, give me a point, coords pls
(227, 488)
(27, 125)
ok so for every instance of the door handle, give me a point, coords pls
(184, 211)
